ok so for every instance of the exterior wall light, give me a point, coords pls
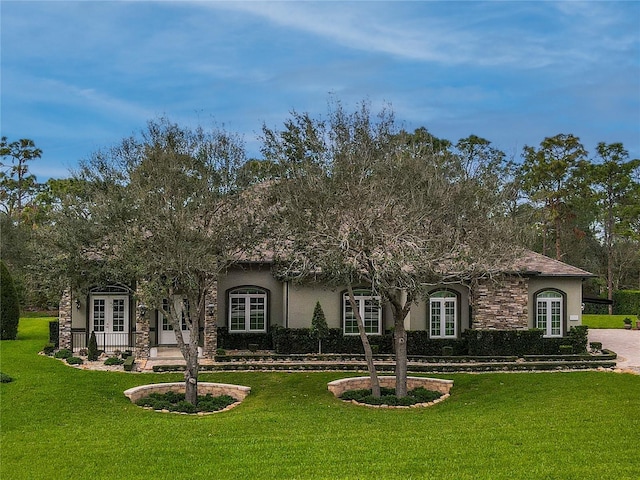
(211, 309)
(77, 304)
(142, 308)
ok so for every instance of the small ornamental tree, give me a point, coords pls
(319, 328)
(92, 350)
(9, 308)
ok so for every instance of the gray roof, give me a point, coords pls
(532, 263)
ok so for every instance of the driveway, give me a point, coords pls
(626, 343)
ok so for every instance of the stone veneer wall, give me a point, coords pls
(64, 320)
(143, 340)
(239, 392)
(501, 304)
(210, 323)
(338, 387)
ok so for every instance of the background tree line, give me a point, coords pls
(576, 206)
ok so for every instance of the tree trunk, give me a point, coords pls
(400, 339)
(368, 354)
(191, 378)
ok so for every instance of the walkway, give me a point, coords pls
(626, 343)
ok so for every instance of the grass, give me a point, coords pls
(606, 321)
(61, 422)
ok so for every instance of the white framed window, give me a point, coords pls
(370, 309)
(443, 314)
(248, 310)
(549, 313)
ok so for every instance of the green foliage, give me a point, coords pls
(92, 348)
(241, 341)
(113, 361)
(4, 378)
(9, 305)
(595, 346)
(63, 353)
(566, 349)
(175, 402)
(319, 327)
(221, 351)
(504, 342)
(128, 363)
(626, 302)
(75, 361)
(49, 348)
(54, 332)
(388, 397)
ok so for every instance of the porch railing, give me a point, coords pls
(107, 341)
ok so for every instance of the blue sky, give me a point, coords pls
(80, 76)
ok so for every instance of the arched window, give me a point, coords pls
(248, 309)
(370, 310)
(550, 312)
(443, 314)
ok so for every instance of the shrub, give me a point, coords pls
(388, 397)
(75, 361)
(566, 349)
(9, 306)
(319, 327)
(49, 348)
(221, 351)
(128, 363)
(175, 402)
(113, 361)
(54, 333)
(92, 354)
(4, 378)
(595, 346)
(626, 302)
(63, 353)
(494, 343)
(241, 341)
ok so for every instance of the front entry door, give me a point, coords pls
(166, 334)
(109, 319)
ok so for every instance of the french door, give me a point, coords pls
(109, 319)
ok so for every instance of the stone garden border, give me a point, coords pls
(239, 392)
(338, 387)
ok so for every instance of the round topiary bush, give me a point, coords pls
(9, 306)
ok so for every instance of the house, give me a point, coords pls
(536, 292)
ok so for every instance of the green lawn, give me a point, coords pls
(58, 422)
(606, 321)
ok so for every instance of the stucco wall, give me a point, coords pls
(418, 317)
(302, 300)
(572, 287)
(254, 275)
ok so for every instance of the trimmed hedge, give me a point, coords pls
(487, 343)
(626, 302)
(523, 342)
(241, 341)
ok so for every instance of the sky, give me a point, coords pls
(77, 77)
